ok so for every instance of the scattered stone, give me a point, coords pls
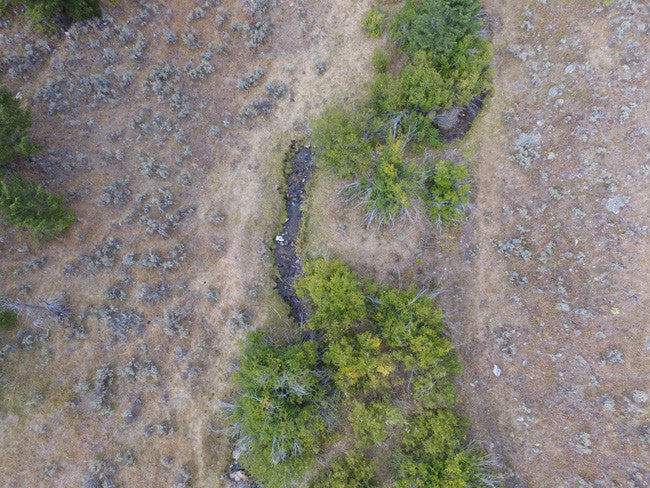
(616, 204)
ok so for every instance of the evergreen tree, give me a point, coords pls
(24, 203)
(15, 125)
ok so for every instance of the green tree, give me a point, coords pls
(276, 413)
(24, 203)
(435, 26)
(47, 14)
(15, 126)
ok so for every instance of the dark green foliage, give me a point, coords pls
(24, 203)
(276, 413)
(349, 471)
(15, 125)
(47, 14)
(435, 26)
(8, 319)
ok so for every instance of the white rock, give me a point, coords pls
(279, 239)
(496, 370)
(238, 476)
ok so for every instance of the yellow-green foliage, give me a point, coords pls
(380, 60)
(340, 142)
(373, 23)
(445, 191)
(370, 421)
(349, 471)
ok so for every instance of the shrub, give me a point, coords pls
(445, 191)
(334, 291)
(8, 319)
(15, 125)
(349, 471)
(340, 144)
(276, 413)
(373, 23)
(24, 203)
(371, 420)
(359, 363)
(380, 60)
(386, 193)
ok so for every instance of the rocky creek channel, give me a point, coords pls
(287, 261)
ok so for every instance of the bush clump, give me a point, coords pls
(381, 370)
(373, 23)
(447, 65)
(351, 470)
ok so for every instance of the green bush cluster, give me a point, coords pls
(380, 370)
(47, 14)
(351, 470)
(447, 65)
(373, 23)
